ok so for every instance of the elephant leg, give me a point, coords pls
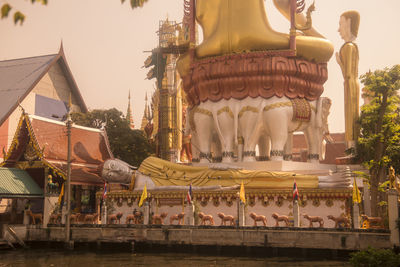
(288, 148)
(311, 135)
(195, 148)
(216, 149)
(277, 123)
(225, 121)
(264, 146)
(250, 133)
(204, 124)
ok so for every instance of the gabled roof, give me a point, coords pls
(48, 139)
(19, 76)
(18, 183)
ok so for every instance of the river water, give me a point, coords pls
(53, 257)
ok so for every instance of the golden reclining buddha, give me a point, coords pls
(236, 26)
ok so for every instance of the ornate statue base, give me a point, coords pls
(215, 189)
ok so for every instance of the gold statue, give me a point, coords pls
(236, 26)
(347, 58)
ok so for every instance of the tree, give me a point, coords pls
(6, 8)
(126, 144)
(378, 145)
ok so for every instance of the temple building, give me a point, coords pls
(41, 85)
(37, 157)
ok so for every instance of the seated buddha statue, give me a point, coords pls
(236, 26)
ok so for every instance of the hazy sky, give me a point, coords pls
(104, 43)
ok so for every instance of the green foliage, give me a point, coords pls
(5, 9)
(18, 16)
(375, 257)
(378, 145)
(126, 144)
(380, 120)
(136, 3)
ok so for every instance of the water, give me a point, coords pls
(51, 257)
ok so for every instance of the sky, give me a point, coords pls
(105, 43)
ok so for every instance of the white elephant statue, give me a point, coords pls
(228, 119)
(254, 121)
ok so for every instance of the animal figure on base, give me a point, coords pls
(280, 218)
(55, 218)
(113, 218)
(258, 218)
(206, 218)
(340, 220)
(314, 219)
(34, 216)
(90, 218)
(226, 218)
(177, 217)
(159, 218)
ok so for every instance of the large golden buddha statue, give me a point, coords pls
(236, 26)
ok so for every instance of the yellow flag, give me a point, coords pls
(61, 195)
(242, 194)
(144, 196)
(356, 193)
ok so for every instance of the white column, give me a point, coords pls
(393, 210)
(241, 215)
(104, 213)
(367, 199)
(356, 216)
(296, 214)
(189, 214)
(146, 213)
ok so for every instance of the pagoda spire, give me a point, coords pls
(129, 114)
(145, 117)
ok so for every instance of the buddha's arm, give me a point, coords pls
(283, 7)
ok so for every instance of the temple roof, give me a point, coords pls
(19, 76)
(48, 141)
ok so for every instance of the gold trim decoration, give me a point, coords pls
(202, 111)
(277, 105)
(316, 202)
(247, 108)
(329, 202)
(279, 202)
(301, 110)
(303, 203)
(225, 109)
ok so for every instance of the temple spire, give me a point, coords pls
(145, 120)
(129, 115)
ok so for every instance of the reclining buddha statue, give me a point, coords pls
(236, 26)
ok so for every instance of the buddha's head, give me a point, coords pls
(116, 171)
(348, 25)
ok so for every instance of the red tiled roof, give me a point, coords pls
(90, 147)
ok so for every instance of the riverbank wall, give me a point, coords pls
(255, 237)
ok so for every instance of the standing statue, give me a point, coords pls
(347, 58)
